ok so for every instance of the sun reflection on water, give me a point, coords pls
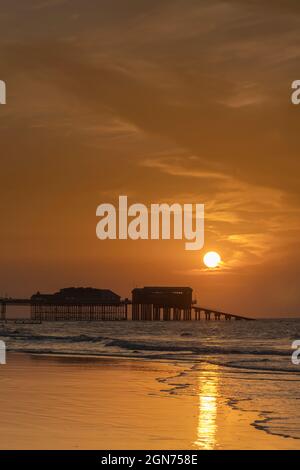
(207, 394)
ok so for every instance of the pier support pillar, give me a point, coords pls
(3, 311)
(135, 311)
(207, 316)
(198, 314)
(187, 314)
(166, 313)
(146, 313)
(156, 313)
(176, 314)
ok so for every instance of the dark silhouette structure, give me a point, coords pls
(90, 304)
(4, 302)
(149, 302)
(70, 295)
(78, 304)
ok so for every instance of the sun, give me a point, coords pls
(212, 259)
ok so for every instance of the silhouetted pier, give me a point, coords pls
(88, 304)
(79, 304)
(209, 314)
(162, 303)
(12, 302)
(172, 303)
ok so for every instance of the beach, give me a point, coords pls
(72, 402)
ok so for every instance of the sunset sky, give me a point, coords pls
(163, 101)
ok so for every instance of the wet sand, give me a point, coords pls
(51, 402)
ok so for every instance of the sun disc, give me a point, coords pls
(212, 259)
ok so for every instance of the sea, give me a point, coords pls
(253, 359)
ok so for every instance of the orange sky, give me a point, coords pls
(173, 101)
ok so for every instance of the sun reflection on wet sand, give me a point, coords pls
(208, 393)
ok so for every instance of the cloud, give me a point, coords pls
(247, 220)
(175, 100)
(175, 167)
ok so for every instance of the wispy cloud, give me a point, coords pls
(175, 167)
